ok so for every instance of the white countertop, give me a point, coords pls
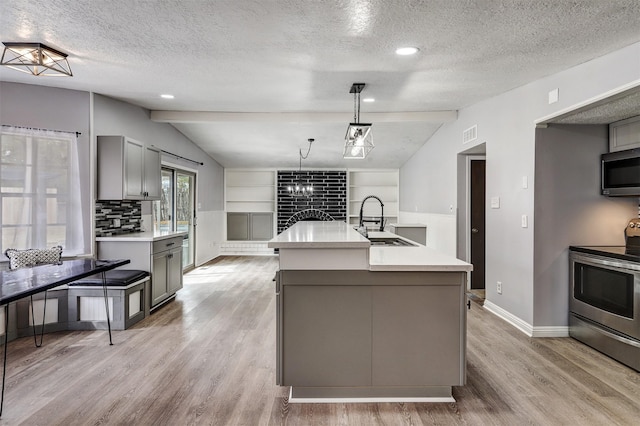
(149, 236)
(408, 225)
(316, 234)
(327, 235)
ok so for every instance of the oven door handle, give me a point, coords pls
(601, 262)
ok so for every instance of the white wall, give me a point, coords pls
(114, 117)
(506, 123)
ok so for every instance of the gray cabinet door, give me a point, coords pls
(133, 170)
(237, 226)
(416, 335)
(159, 290)
(174, 270)
(152, 173)
(261, 226)
(326, 335)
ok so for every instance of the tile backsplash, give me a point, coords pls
(329, 194)
(128, 213)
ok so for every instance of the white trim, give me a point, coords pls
(507, 316)
(167, 116)
(526, 328)
(371, 400)
(178, 166)
(589, 102)
(93, 177)
(551, 331)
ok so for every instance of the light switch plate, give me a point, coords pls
(525, 182)
(495, 202)
(525, 221)
(554, 96)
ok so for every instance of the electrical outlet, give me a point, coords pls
(499, 287)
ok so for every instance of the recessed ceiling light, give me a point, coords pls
(167, 96)
(404, 51)
(368, 100)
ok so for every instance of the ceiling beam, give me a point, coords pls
(301, 117)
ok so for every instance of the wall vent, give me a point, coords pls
(471, 134)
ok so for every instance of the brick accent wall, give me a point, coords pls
(329, 194)
(129, 213)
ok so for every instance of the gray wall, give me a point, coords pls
(506, 123)
(569, 210)
(54, 109)
(114, 117)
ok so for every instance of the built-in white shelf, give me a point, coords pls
(383, 183)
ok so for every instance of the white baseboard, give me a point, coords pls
(551, 331)
(245, 248)
(521, 325)
(525, 327)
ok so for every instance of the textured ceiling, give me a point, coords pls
(283, 56)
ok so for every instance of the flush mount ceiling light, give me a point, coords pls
(406, 51)
(36, 59)
(167, 96)
(358, 141)
(299, 189)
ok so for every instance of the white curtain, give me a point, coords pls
(40, 192)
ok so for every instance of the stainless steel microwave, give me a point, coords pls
(621, 173)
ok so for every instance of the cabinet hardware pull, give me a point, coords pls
(170, 256)
(170, 244)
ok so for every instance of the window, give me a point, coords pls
(40, 201)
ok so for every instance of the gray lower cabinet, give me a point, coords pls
(367, 329)
(327, 335)
(167, 269)
(416, 333)
(161, 258)
(249, 226)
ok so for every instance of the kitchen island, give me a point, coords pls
(363, 322)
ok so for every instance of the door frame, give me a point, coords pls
(180, 167)
(467, 222)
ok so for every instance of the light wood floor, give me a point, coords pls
(208, 358)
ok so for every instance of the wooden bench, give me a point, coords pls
(128, 295)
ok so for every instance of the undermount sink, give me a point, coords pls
(390, 242)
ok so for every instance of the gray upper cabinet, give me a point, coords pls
(127, 169)
(624, 134)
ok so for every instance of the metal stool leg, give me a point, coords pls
(6, 338)
(44, 314)
(106, 304)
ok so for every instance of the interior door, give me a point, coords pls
(477, 202)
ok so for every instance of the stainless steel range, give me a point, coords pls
(605, 297)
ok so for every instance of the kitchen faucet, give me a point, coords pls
(361, 221)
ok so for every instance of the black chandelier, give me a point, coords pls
(298, 189)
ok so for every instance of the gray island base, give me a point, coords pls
(362, 323)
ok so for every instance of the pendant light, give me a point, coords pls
(299, 189)
(358, 141)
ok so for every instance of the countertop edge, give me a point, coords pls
(141, 236)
